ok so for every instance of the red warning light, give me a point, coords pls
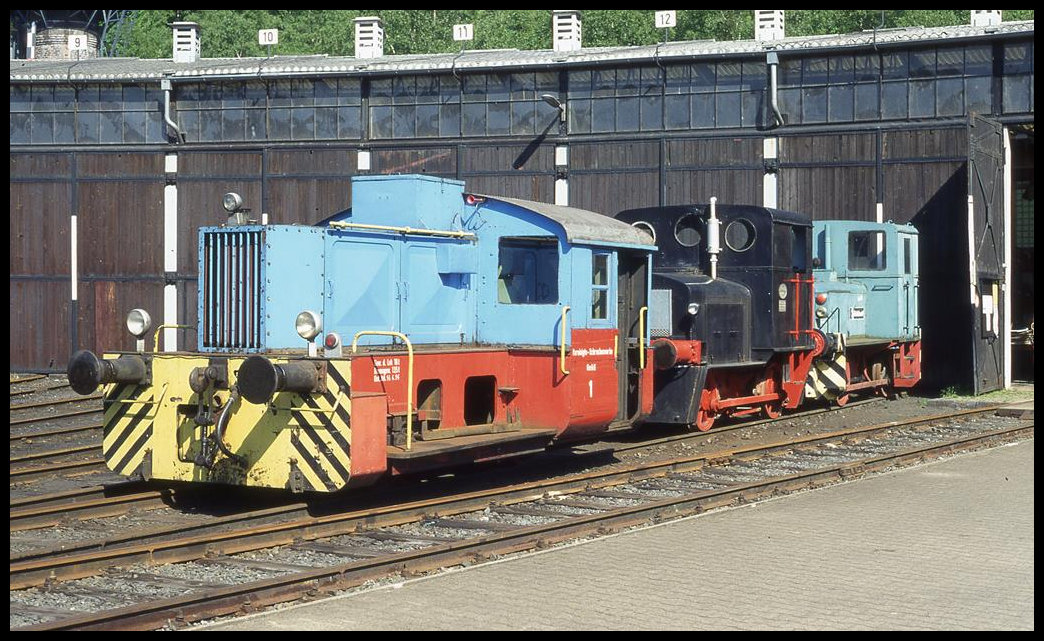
(821, 299)
(332, 340)
(472, 199)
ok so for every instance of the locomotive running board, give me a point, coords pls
(468, 449)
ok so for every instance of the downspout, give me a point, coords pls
(773, 63)
(165, 86)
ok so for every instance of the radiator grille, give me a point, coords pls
(231, 283)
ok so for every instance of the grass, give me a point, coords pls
(1013, 395)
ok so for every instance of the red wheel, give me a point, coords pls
(704, 416)
(704, 420)
(842, 400)
(772, 410)
(819, 342)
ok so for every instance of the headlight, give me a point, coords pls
(694, 308)
(138, 322)
(821, 312)
(232, 202)
(308, 325)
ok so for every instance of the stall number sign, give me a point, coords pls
(463, 32)
(268, 37)
(666, 20)
(79, 43)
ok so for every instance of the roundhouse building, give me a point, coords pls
(116, 162)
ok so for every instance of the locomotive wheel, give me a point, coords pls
(704, 420)
(772, 410)
(842, 400)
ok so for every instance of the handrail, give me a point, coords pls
(561, 360)
(409, 375)
(155, 338)
(404, 230)
(641, 337)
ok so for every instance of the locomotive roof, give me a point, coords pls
(671, 211)
(582, 226)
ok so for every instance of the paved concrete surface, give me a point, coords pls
(943, 546)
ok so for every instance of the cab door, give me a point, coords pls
(632, 318)
(909, 325)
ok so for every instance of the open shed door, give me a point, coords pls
(986, 251)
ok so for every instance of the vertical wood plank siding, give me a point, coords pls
(120, 196)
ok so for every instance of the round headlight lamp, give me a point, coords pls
(232, 202)
(821, 312)
(138, 322)
(308, 325)
(694, 308)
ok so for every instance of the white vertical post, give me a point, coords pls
(562, 192)
(73, 268)
(770, 186)
(562, 180)
(1005, 289)
(971, 253)
(170, 254)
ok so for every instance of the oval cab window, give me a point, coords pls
(739, 235)
(646, 227)
(686, 230)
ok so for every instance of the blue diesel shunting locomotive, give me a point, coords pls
(479, 327)
(866, 304)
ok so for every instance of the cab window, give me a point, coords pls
(866, 250)
(527, 271)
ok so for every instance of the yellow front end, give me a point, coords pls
(298, 441)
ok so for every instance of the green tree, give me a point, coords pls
(230, 33)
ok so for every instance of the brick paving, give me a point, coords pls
(943, 546)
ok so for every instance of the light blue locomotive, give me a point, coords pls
(866, 291)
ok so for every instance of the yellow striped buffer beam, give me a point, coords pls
(165, 430)
(828, 376)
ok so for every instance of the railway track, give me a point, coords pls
(281, 555)
(113, 500)
(51, 434)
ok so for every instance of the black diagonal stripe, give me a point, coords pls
(334, 432)
(342, 413)
(124, 408)
(111, 397)
(318, 444)
(346, 389)
(137, 418)
(835, 375)
(313, 465)
(140, 443)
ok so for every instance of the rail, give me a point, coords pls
(155, 338)
(409, 374)
(405, 230)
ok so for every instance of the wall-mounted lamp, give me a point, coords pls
(556, 103)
